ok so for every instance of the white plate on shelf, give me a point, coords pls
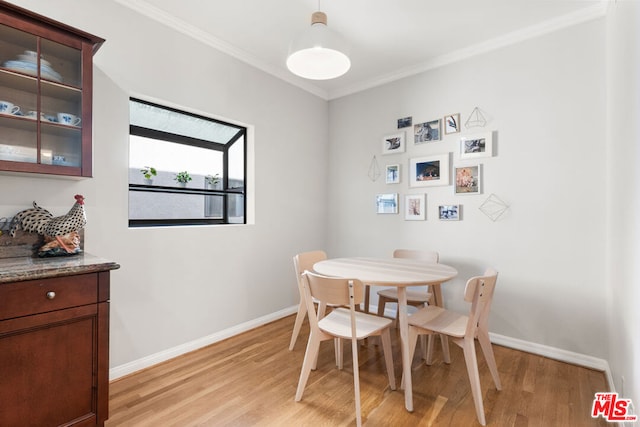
(31, 69)
(32, 60)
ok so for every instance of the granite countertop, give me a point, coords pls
(26, 268)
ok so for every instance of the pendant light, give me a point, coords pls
(319, 53)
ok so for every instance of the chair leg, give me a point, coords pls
(385, 337)
(445, 348)
(382, 302)
(367, 297)
(487, 350)
(423, 345)
(339, 350)
(471, 361)
(310, 358)
(356, 380)
(322, 308)
(428, 356)
(302, 312)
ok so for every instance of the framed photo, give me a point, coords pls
(429, 171)
(392, 174)
(452, 123)
(426, 132)
(449, 212)
(387, 203)
(405, 122)
(392, 144)
(475, 146)
(468, 179)
(415, 207)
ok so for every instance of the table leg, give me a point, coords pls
(404, 340)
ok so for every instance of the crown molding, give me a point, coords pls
(552, 25)
(589, 13)
(152, 12)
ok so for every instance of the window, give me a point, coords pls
(165, 144)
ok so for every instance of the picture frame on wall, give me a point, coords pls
(468, 179)
(405, 122)
(387, 203)
(452, 123)
(392, 174)
(394, 143)
(476, 146)
(426, 132)
(415, 207)
(449, 212)
(429, 171)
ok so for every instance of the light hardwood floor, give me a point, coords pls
(251, 379)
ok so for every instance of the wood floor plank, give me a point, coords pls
(251, 380)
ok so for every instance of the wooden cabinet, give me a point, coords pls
(46, 79)
(54, 351)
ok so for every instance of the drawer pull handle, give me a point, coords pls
(51, 295)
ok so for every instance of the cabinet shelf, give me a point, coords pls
(46, 70)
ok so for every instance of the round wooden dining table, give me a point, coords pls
(398, 272)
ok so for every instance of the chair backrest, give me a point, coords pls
(304, 261)
(479, 292)
(333, 291)
(431, 256)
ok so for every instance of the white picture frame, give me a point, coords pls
(387, 203)
(476, 146)
(392, 174)
(394, 143)
(415, 207)
(429, 171)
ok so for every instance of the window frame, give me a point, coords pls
(226, 192)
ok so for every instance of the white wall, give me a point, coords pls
(623, 102)
(545, 97)
(181, 284)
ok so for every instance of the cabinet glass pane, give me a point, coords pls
(61, 145)
(13, 47)
(18, 139)
(63, 63)
(61, 104)
(18, 93)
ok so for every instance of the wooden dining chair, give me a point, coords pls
(415, 297)
(341, 323)
(301, 262)
(463, 331)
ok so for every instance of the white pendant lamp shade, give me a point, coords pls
(318, 53)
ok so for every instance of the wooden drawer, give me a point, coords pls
(41, 296)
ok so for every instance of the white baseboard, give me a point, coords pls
(154, 359)
(539, 349)
(542, 350)
(556, 354)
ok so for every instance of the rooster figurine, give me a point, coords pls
(54, 229)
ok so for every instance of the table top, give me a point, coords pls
(399, 272)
